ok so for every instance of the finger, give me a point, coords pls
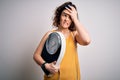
(53, 71)
(54, 62)
(68, 9)
(71, 7)
(56, 70)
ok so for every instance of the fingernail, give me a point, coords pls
(69, 5)
(66, 7)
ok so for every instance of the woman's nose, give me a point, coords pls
(67, 18)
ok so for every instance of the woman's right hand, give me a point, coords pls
(51, 67)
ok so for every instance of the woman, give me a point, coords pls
(66, 21)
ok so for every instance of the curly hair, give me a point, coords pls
(57, 14)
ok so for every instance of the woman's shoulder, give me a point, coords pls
(74, 33)
(46, 34)
(50, 31)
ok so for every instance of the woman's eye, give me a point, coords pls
(64, 15)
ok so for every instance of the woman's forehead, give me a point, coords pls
(65, 12)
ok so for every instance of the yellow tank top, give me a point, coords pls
(69, 67)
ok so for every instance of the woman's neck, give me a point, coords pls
(66, 32)
(63, 30)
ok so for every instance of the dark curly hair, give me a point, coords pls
(57, 14)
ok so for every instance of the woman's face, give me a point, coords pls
(65, 19)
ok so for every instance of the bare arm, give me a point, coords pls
(81, 35)
(39, 60)
(37, 54)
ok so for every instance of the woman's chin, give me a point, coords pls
(65, 26)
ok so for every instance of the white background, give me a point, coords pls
(24, 22)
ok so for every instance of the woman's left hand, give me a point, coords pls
(73, 13)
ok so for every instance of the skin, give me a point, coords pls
(80, 35)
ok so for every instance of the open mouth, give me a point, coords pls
(66, 23)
